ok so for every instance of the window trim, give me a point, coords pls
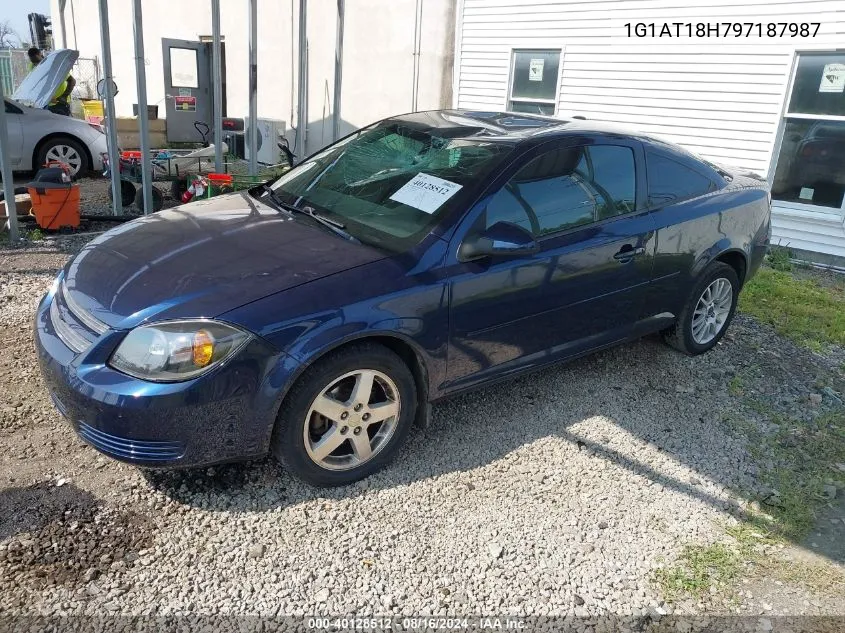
(784, 116)
(533, 47)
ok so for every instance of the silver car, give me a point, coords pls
(37, 136)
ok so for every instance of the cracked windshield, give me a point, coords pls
(390, 182)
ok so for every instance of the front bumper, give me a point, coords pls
(98, 147)
(225, 415)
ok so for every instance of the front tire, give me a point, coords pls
(346, 417)
(66, 150)
(708, 311)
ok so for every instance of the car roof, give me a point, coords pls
(517, 127)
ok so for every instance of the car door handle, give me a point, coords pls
(626, 254)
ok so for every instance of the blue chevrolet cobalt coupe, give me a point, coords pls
(316, 317)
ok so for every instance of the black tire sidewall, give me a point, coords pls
(288, 442)
(713, 272)
(177, 188)
(84, 168)
(158, 199)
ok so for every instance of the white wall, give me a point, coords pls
(720, 98)
(377, 55)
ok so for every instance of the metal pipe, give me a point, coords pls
(217, 79)
(143, 123)
(253, 87)
(415, 77)
(301, 113)
(338, 69)
(62, 28)
(6, 170)
(111, 122)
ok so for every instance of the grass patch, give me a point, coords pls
(800, 309)
(801, 454)
(699, 568)
(779, 258)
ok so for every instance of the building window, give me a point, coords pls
(183, 68)
(533, 86)
(810, 167)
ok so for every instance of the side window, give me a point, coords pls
(669, 181)
(10, 109)
(566, 188)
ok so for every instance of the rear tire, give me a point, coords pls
(351, 442)
(706, 315)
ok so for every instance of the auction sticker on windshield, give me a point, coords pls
(426, 193)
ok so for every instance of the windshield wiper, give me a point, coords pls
(333, 225)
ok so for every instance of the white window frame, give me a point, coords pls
(832, 213)
(538, 47)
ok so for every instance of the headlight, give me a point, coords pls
(176, 350)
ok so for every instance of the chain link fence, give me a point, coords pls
(14, 66)
(86, 71)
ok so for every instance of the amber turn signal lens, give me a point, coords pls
(203, 348)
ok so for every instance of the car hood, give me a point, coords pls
(202, 260)
(39, 86)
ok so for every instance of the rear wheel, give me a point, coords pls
(346, 417)
(708, 311)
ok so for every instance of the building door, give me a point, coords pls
(188, 88)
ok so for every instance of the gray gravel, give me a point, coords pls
(558, 493)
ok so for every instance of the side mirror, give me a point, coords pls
(503, 239)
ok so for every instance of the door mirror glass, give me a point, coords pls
(503, 239)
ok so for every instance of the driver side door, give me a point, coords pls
(585, 287)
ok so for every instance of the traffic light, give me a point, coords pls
(41, 30)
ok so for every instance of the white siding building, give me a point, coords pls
(775, 106)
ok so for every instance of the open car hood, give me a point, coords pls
(38, 86)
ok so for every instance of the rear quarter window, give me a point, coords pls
(670, 181)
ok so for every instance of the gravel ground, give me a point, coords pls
(557, 493)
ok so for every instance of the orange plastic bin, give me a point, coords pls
(55, 205)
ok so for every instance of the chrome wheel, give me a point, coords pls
(352, 419)
(65, 154)
(712, 311)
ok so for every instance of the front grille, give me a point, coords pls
(68, 335)
(75, 326)
(86, 318)
(133, 450)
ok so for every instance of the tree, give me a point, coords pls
(8, 36)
